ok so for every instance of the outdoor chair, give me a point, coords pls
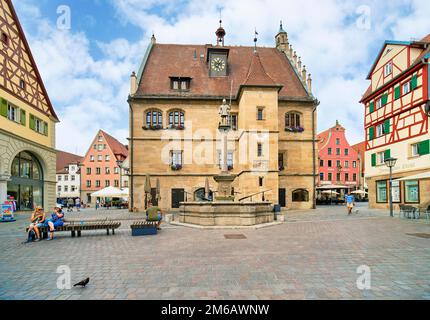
(427, 212)
(409, 212)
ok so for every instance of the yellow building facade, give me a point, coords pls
(174, 119)
(397, 125)
(27, 121)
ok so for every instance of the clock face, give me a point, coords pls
(218, 64)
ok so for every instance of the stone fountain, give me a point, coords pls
(225, 211)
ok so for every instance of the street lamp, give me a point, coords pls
(79, 171)
(390, 163)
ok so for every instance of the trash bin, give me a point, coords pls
(277, 208)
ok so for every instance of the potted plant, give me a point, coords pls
(176, 167)
(295, 129)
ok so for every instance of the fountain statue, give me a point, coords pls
(224, 210)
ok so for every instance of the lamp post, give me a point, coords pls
(390, 163)
(79, 171)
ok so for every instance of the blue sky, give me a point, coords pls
(86, 68)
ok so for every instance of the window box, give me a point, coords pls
(176, 127)
(295, 129)
(153, 127)
(176, 167)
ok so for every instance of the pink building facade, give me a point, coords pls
(338, 161)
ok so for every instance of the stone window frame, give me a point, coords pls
(149, 115)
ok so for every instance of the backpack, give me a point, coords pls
(31, 235)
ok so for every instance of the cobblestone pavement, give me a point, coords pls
(314, 255)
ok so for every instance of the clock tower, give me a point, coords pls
(218, 56)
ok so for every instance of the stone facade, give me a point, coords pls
(260, 138)
(10, 146)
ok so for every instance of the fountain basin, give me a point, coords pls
(226, 213)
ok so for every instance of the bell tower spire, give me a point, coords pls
(282, 39)
(220, 33)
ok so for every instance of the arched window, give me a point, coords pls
(154, 119)
(176, 118)
(300, 195)
(293, 122)
(200, 195)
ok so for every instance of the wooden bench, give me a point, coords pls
(75, 227)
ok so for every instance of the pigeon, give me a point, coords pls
(83, 283)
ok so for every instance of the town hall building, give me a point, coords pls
(174, 118)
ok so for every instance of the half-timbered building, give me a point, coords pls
(27, 121)
(397, 124)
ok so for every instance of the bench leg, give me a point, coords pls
(113, 231)
(73, 234)
(107, 231)
(79, 233)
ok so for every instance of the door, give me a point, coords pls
(177, 197)
(154, 199)
(282, 200)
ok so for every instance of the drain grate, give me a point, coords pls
(420, 235)
(234, 236)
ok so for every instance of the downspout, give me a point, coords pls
(316, 104)
(131, 165)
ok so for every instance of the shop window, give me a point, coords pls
(412, 191)
(300, 195)
(381, 191)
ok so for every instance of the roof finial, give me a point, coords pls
(255, 40)
(220, 33)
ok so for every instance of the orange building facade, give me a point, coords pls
(102, 166)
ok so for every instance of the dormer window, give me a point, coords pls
(180, 83)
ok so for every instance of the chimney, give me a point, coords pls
(133, 83)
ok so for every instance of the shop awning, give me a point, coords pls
(111, 192)
(420, 176)
(333, 186)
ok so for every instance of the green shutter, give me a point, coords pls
(45, 128)
(371, 133)
(3, 107)
(387, 126)
(32, 124)
(384, 99)
(414, 82)
(424, 147)
(372, 106)
(22, 118)
(387, 154)
(373, 159)
(397, 92)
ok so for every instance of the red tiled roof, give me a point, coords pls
(426, 38)
(66, 158)
(256, 74)
(172, 60)
(323, 138)
(117, 147)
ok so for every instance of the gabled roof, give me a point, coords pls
(166, 60)
(423, 43)
(117, 147)
(66, 158)
(256, 73)
(32, 61)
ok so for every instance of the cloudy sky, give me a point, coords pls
(86, 64)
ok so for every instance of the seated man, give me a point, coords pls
(37, 221)
(56, 220)
(154, 213)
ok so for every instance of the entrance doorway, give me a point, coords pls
(26, 184)
(282, 198)
(178, 195)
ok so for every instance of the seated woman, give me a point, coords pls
(154, 213)
(56, 220)
(37, 221)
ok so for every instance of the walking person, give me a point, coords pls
(78, 204)
(97, 204)
(70, 205)
(350, 202)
